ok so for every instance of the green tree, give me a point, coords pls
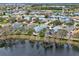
(61, 33)
(46, 15)
(77, 25)
(70, 23)
(0, 26)
(2, 19)
(30, 31)
(42, 33)
(5, 21)
(57, 22)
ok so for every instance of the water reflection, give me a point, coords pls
(32, 43)
(76, 48)
(26, 47)
(54, 48)
(37, 45)
(48, 46)
(22, 42)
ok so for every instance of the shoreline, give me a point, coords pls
(42, 39)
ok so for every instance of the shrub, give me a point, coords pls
(17, 32)
(57, 22)
(77, 24)
(30, 31)
(42, 33)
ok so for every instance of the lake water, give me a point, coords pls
(28, 48)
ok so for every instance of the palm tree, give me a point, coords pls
(61, 33)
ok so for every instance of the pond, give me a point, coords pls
(36, 48)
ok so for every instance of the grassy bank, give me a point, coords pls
(43, 39)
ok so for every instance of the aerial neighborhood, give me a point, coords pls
(43, 20)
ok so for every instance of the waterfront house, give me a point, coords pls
(43, 19)
(56, 28)
(75, 18)
(17, 26)
(27, 17)
(76, 14)
(40, 27)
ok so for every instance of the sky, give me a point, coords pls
(39, 1)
